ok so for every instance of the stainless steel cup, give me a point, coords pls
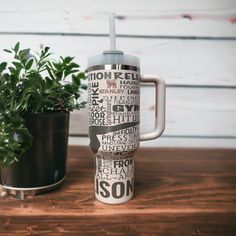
(114, 116)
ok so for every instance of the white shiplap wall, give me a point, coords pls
(191, 44)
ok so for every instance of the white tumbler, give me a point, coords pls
(114, 121)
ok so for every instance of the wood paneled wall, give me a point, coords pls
(191, 44)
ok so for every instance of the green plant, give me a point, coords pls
(33, 84)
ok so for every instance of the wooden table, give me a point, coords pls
(177, 192)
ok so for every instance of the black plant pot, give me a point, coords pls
(43, 166)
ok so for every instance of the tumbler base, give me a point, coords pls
(112, 201)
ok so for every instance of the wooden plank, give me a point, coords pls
(177, 192)
(209, 113)
(195, 112)
(164, 224)
(214, 18)
(201, 112)
(179, 62)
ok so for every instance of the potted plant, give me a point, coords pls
(35, 101)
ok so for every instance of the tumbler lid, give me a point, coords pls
(113, 56)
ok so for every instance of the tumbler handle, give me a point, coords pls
(159, 107)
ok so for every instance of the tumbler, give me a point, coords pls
(114, 81)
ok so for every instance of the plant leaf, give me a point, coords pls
(68, 72)
(67, 60)
(73, 65)
(7, 50)
(3, 66)
(29, 64)
(16, 48)
(50, 72)
(18, 65)
(76, 80)
(46, 49)
(81, 75)
(24, 54)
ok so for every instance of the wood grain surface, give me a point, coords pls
(177, 192)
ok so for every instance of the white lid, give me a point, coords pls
(113, 57)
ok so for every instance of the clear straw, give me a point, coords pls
(112, 31)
